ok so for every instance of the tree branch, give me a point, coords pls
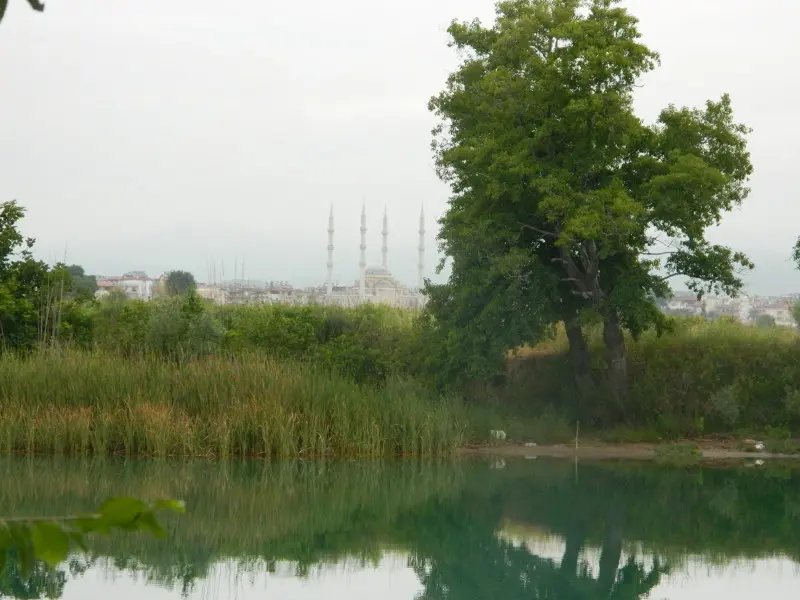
(674, 275)
(36, 5)
(537, 230)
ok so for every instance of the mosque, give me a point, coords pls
(376, 285)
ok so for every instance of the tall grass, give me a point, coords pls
(702, 377)
(76, 402)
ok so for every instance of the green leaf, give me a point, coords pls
(50, 542)
(76, 538)
(122, 512)
(91, 524)
(147, 522)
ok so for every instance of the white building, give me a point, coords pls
(136, 285)
(376, 284)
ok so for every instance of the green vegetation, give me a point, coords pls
(565, 206)
(97, 403)
(569, 216)
(702, 377)
(678, 455)
(180, 283)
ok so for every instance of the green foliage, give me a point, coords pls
(83, 286)
(559, 191)
(180, 283)
(765, 321)
(77, 402)
(796, 312)
(703, 377)
(725, 404)
(30, 290)
(370, 343)
(50, 539)
(678, 455)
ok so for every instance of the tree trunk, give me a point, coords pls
(610, 556)
(616, 357)
(579, 355)
(572, 551)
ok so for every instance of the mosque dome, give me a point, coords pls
(378, 272)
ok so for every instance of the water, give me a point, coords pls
(405, 530)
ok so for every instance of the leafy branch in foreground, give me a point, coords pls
(50, 539)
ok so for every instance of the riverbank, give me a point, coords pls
(700, 377)
(177, 378)
(706, 450)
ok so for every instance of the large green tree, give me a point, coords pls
(555, 178)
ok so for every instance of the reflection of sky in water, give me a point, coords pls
(774, 579)
(390, 580)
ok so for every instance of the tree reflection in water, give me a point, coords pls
(445, 516)
(465, 559)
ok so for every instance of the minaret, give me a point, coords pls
(363, 263)
(330, 253)
(385, 235)
(421, 250)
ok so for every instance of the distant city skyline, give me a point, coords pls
(155, 135)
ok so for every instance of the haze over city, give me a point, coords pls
(153, 136)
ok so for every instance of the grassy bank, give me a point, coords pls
(326, 380)
(80, 402)
(703, 377)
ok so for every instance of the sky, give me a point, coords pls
(151, 135)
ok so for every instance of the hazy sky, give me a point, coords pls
(152, 135)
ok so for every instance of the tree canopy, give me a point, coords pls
(180, 283)
(83, 286)
(29, 288)
(555, 179)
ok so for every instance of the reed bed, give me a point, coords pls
(82, 403)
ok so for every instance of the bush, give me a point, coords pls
(368, 344)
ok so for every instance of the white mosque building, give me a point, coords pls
(376, 285)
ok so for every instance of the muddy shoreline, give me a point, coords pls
(600, 451)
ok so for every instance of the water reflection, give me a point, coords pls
(434, 531)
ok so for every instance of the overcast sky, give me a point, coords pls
(152, 135)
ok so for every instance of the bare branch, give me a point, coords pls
(674, 275)
(537, 230)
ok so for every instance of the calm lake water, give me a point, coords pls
(405, 530)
